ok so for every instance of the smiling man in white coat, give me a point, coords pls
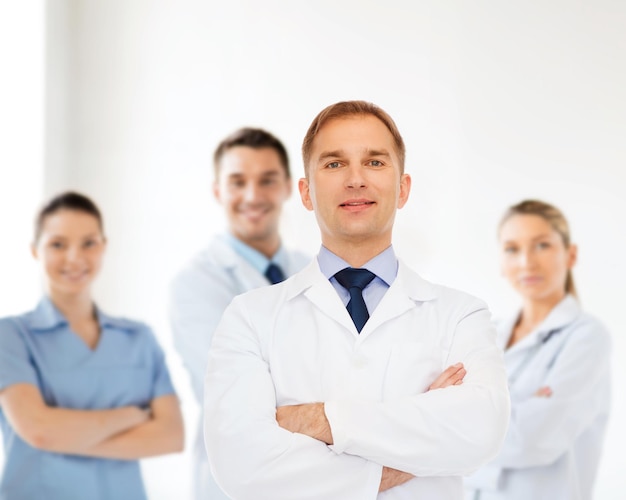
(335, 383)
(252, 181)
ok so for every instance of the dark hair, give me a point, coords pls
(346, 109)
(68, 200)
(255, 138)
(552, 216)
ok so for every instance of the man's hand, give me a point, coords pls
(393, 477)
(453, 375)
(308, 419)
(544, 392)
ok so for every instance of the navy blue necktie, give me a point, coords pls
(274, 274)
(355, 280)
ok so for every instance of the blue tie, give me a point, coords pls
(355, 280)
(274, 274)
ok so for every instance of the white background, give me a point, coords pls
(497, 101)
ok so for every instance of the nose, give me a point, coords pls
(74, 253)
(251, 192)
(527, 258)
(355, 178)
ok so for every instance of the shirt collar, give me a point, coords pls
(255, 258)
(407, 281)
(384, 265)
(104, 321)
(561, 315)
(47, 317)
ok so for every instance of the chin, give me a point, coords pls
(256, 234)
(360, 234)
(72, 288)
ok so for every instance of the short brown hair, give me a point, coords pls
(552, 216)
(254, 138)
(346, 109)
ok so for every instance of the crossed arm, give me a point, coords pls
(310, 419)
(544, 426)
(126, 433)
(435, 433)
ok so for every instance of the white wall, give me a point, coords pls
(497, 101)
(21, 150)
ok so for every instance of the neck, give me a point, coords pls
(267, 246)
(74, 307)
(357, 253)
(533, 313)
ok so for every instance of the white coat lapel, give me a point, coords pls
(407, 290)
(316, 288)
(246, 276)
(564, 313)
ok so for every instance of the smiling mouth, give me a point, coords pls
(356, 203)
(73, 276)
(254, 215)
(253, 209)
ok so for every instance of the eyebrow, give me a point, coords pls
(542, 236)
(340, 153)
(534, 238)
(330, 154)
(376, 152)
(62, 237)
(269, 173)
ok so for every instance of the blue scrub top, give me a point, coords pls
(127, 367)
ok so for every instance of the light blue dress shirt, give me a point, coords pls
(127, 367)
(255, 258)
(384, 266)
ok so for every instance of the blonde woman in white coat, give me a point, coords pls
(557, 360)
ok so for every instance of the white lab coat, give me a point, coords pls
(553, 445)
(198, 296)
(295, 343)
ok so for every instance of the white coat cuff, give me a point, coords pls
(337, 420)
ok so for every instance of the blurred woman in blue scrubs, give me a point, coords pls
(557, 359)
(83, 395)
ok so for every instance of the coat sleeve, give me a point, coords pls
(543, 428)
(252, 457)
(197, 298)
(449, 431)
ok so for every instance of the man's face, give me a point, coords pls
(354, 183)
(252, 186)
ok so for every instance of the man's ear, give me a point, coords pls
(216, 191)
(33, 251)
(305, 193)
(405, 189)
